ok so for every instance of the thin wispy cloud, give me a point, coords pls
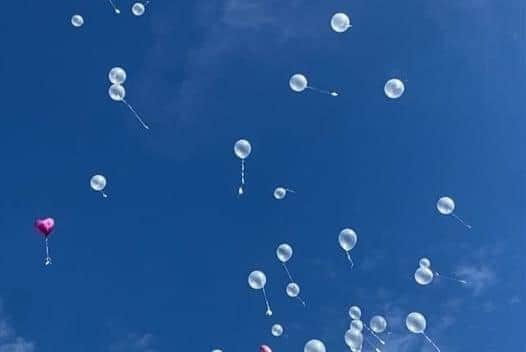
(9, 340)
(479, 278)
(135, 343)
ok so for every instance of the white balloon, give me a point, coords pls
(284, 252)
(257, 280)
(77, 21)
(347, 239)
(98, 182)
(416, 323)
(394, 88)
(138, 9)
(242, 149)
(117, 92)
(340, 22)
(298, 82)
(280, 193)
(277, 330)
(314, 346)
(445, 205)
(425, 262)
(378, 324)
(117, 75)
(355, 312)
(217, 350)
(423, 275)
(354, 338)
(357, 324)
(293, 289)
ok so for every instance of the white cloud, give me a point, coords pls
(134, 343)
(9, 341)
(479, 278)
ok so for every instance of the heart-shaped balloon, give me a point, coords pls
(264, 348)
(45, 226)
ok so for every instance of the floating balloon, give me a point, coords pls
(355, 312)
(394, 88)
(378, 324)
(98, 183)
(281, 192)
(425, 262)
(257, 281)
(45, 227)
(264, 348)
(357, 324)
(277, 330)
(118, 93)
(217, 350)
(340, 22)
(298, 83)
(284, 253)
(293, 290)
(354, 339)
(416, 323)
(347, 240)
(446, 206)
(117, 75)
(77, 21)
(138, 8)
(423, 275)
(314, 346)
(117, 11)
(242, 149)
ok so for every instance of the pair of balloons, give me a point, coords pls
(284, 253)
(257, 281)
(117, 92)
(45, 227)
(347, 239)
(424, 275)
(417, 324)
(98, 183)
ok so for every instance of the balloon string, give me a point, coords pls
(461, 221)
(349, 258)
(47, 249)
(290, 190)
(376, 336)
(104, 194)
(323, 91)
(117, 11)
(288, 272)
(136, 114)
(301, 300)
(372, 345)
(269, 311)
(431, 341)
(451, 278)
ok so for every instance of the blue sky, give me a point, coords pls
(162, 264)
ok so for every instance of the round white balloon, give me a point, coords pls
(77, 21)
(355, 312)
(98, 182)
(257, 280)
(284, 252)
(354, 338)
(445, 205)
(298, 82)
(314, 346)
(347, 239)
(423, 275)
(242, 149)
(378, 324)
(277, 330)
(340, 22)
(357, 324)
(394, 88)
(117, 75)
(117, 92)
(138, 9)
(293, 289)
(280, 193)
(425, 262)
(416, 323)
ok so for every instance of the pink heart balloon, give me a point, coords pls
(264, 348)
(45, 226)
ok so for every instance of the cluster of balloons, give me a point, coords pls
(347, 239)
(446, 206)
(242, 150)
(98, 183)
(257, 281)
(424, 275)
(354, 337)
(284, 253)
(77, 21)
(298, 83)
(45, 227)
(416, 323)
(117, 77)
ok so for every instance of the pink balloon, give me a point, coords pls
(264, 348)
(45, 226)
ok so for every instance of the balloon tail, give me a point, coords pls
(104, 195)
(117, 11)
(431, 342)
(288, 272)
(240, 191)
(349, 259)
(269, 311)
(301, 301)
(451, 278)
(372, 344)
(461, 221)
(374, 334)
(136, 114)
(290, 190)
(323, 91)
(47, 260)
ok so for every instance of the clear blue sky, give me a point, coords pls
(162, 264)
